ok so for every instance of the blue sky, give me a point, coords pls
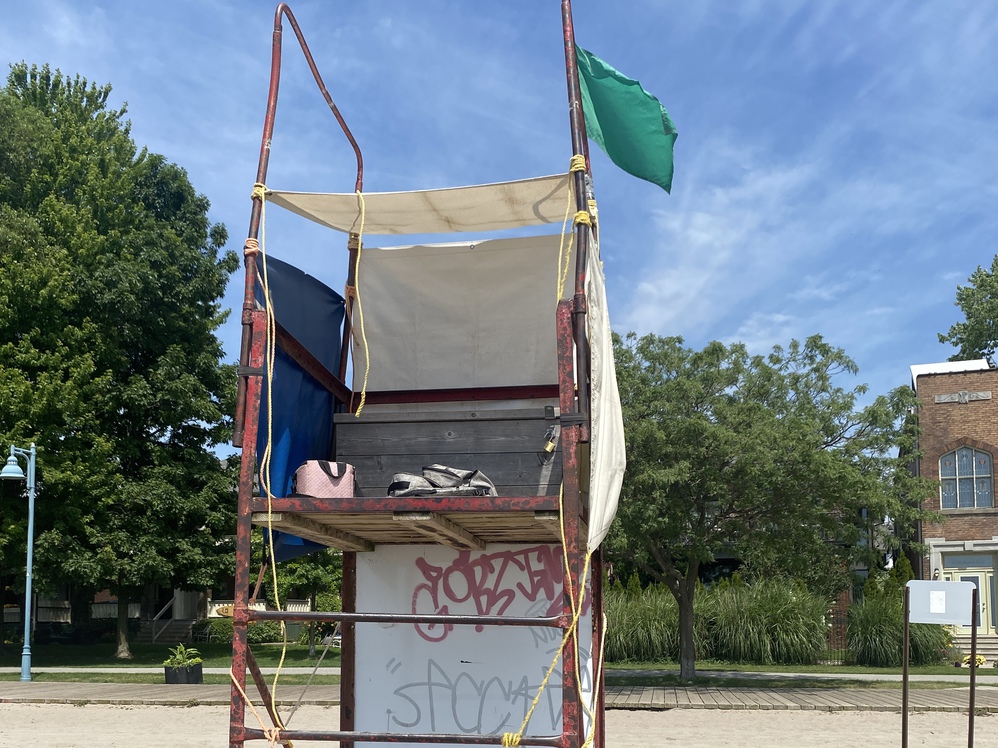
(834, 168)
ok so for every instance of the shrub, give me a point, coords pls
(768, 622)
(634, 585)
(763, 623)
(263, 632)
(258, 632)
(221, 629)
(876, 631)
(643, 627)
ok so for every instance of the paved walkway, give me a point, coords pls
(617, 697)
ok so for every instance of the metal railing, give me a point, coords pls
(155, 632)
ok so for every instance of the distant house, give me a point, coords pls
(958, 414)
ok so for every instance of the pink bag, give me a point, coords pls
(322, 479)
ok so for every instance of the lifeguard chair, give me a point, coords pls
(467, 619)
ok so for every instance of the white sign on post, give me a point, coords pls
(948, 603)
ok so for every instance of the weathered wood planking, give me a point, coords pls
(431, 436)
(514, 474)
(506, 445)
(378, 528)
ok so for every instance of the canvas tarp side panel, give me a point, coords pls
(486, 207)
(608, 458)
(460, 315)
(302, 409)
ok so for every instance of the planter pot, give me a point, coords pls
(189, 674)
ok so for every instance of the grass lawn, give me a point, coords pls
(844, 670)
(215, 654)
(147, 678)
(218, 654)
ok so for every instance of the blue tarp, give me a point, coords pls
(303, 410)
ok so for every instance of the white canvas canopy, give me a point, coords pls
(444, 316)
(483, 207)
(476, 313)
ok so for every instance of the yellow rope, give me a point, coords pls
(260, 191)
(577, 163)
(273, 734)
(513, 739)
(597, 676)
(360, 306)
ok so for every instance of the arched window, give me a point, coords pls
(967, 479)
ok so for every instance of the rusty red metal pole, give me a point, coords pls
(577, 123)
(904, 667)
(348, 648)
(247, 473)
(571, 510)
(599, 681)
(976, 610)
(261, 178)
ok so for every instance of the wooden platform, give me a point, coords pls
(805, 699)
(464, 522)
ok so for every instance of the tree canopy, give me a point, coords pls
(977, 335)
(110, 279)
(764, 458)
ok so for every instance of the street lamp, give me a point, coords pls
(12, 471)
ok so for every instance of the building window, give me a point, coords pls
(967, 480)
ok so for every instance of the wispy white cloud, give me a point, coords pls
(834, 165)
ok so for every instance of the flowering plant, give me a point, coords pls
(980, 660)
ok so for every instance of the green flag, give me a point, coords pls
(627, 122)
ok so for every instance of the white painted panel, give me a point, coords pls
(461, 679)
(946, 603)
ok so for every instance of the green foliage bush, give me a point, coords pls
(258, 632)
(771, 622)
(263, 632)
(876, 631)
(642, 627)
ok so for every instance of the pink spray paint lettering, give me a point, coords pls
(489, 584)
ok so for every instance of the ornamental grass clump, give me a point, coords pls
(643, 627)
(876, 633)
(769, 622)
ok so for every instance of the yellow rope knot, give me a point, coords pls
(510, 739)
(251, 247)
(582, 217)
(259, 191)
(578, 163)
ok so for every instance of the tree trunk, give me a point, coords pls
(123, 652)
(687, 646)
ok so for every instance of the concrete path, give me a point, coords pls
(985, 676)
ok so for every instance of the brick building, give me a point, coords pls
(958, 413)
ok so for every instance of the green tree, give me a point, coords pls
(763, 457)
(977, 335)
(110, 279)
(316, 577)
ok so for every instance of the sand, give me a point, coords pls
(66, 726)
